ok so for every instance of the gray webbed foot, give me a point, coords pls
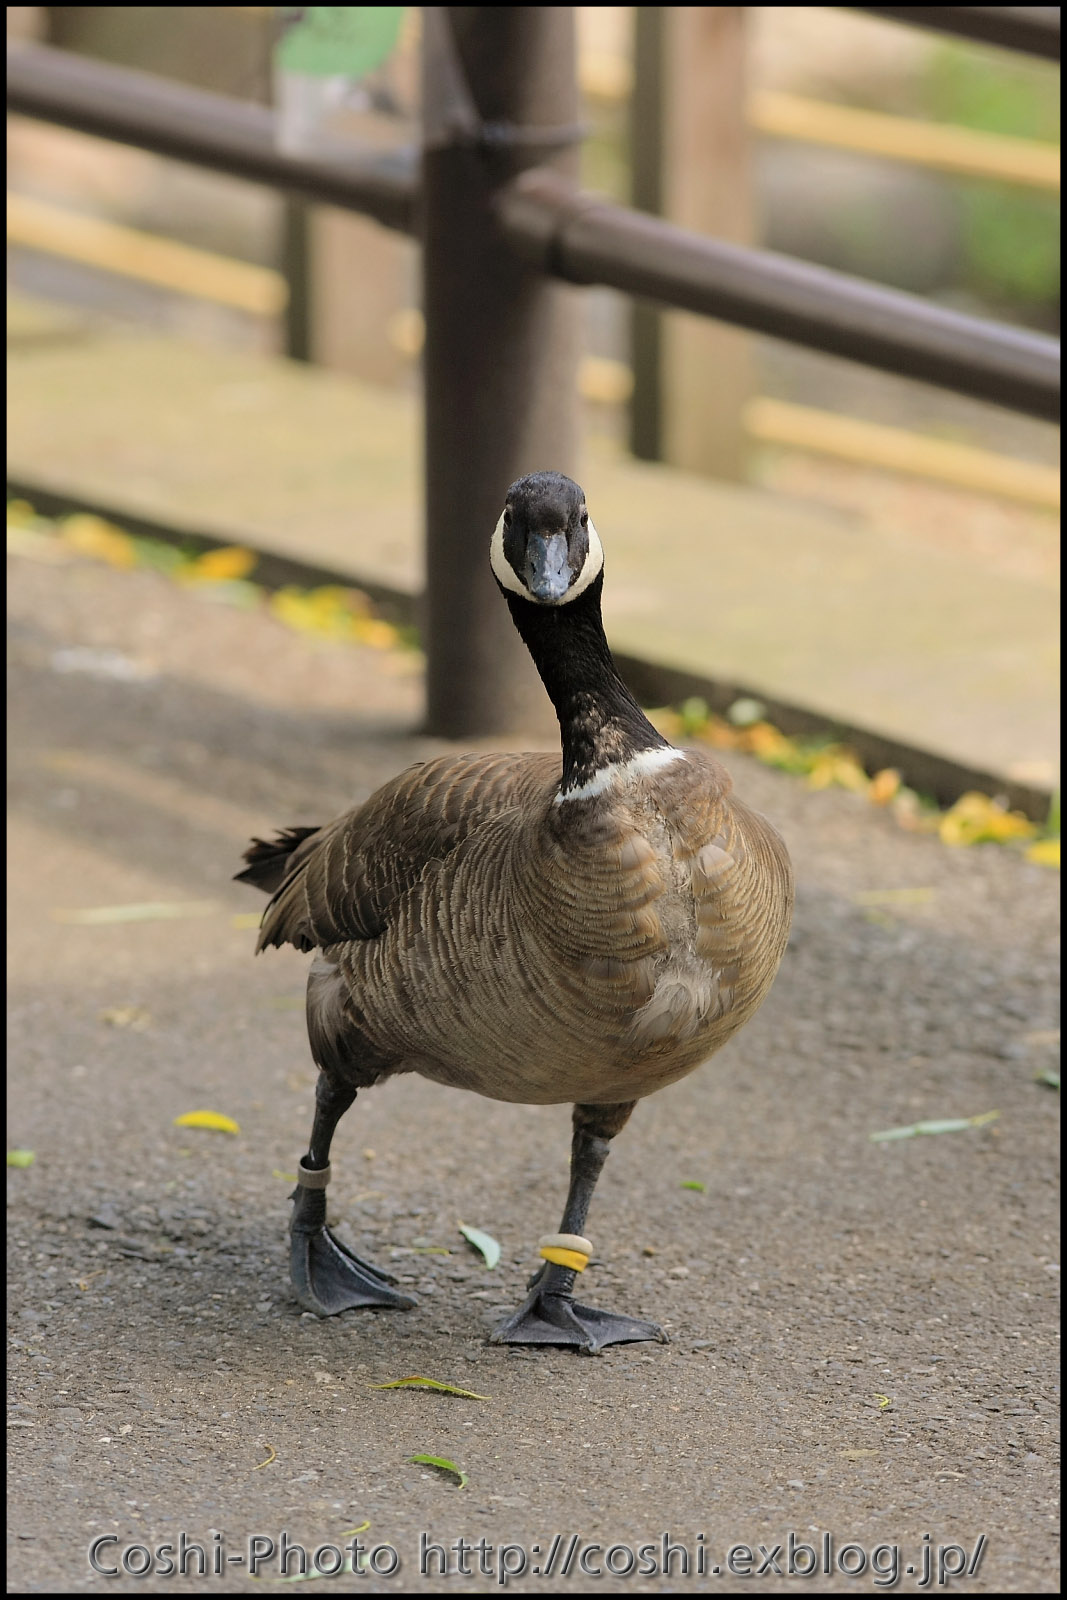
(326, 1275)
(551, 1315)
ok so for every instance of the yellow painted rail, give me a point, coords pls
(871, 444)
(259, 291)
(939, 146)
(94, 242)
(945, 148)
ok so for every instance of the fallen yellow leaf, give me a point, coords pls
(764, 740)
(220, 566)
(832, 767)
(371, 630)
(20, 514)
(976, 819)
(92, 536)
(207, 1119)
(127, 1017)
(1046, 852)
(884, 785)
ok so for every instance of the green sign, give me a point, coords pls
(338, 41)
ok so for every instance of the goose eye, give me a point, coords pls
(507, 519)
(584, 519)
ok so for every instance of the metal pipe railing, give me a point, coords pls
(567, 234)
(500, 362)
(1035, 30)
(208, 130)
(587, 240)
(500, 218)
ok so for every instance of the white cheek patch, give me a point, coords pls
(509, 578)
(594, 563)
(502, 567)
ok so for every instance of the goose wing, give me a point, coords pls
(742, 885)
(345, 878)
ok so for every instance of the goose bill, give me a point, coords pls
(548, 573)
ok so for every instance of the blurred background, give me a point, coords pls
(925, 163)
(922, 162)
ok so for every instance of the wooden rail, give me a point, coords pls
(501, 223)
(261, 292)
(939, 146)
(872, 444)
(96, 242)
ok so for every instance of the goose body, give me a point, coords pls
(538, 936)
(475, 931)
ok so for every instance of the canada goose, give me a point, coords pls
(534, 936)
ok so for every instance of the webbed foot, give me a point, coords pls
(326, 1275)
(551, 1315)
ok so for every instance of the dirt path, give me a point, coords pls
(863, 1336)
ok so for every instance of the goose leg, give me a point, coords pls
(327, 1276)
(550, 1314)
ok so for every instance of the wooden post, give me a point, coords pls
(501, 341)
(296, 266)
(362, 275)
(690, 164)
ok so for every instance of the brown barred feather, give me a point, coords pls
(476, 932)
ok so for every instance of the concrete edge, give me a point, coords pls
(654, 684)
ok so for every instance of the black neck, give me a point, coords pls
(599, 719)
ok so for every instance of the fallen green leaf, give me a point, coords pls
(483, 1242)
(883, 1401)
(246, 919)
(692, 1183)
(693, 715)
(944, 1125)
(1050, 1078)
(21, 1158)
(148, 911)
(156, 554)
(744, 712)
(894, 897)
(314, 1573)
(290, 1177)
(429, 1383)
(445, 1466)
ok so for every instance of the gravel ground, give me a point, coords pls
(863, 1337)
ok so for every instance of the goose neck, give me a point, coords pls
(600, 722)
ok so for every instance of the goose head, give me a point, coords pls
(545, 547)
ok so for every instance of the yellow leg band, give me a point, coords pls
(564, 1258)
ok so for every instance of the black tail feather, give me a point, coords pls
(269, 860)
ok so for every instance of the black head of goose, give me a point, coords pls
(495, 924)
